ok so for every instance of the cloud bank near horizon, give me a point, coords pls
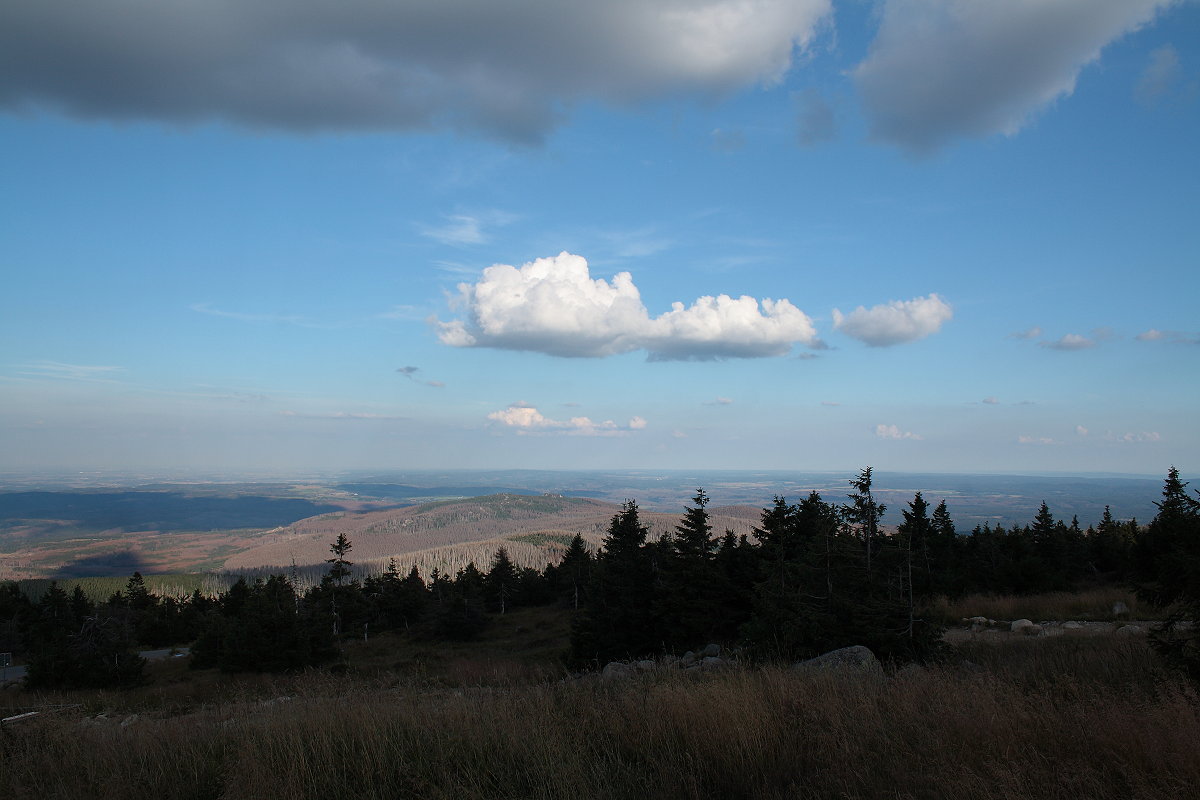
(554, 306)
(526, 419)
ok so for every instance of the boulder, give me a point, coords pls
(1019, 625)
(689, 658)
(711, 651)
(645, 665)
(1072, 626)
(1131, 630)
(856, 659)
(616, 670)
(713, 662)
(1032, 630)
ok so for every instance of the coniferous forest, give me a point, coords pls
(817, 575)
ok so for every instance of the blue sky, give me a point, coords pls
(925, 235)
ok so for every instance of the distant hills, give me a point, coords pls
(450, 518)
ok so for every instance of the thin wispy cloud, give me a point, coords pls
(342, 415)
(1068, 342)
(1162, 71)
(60, 371)
(1037, 440)
(411, 374)
(1026, 335)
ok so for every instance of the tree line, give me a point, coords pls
(815, 575)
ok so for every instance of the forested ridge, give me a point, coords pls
(815, 575)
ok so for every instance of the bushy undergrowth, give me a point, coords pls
(1034, 719)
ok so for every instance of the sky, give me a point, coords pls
(923, 235)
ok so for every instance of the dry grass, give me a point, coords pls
(1086, 604)
(1094, 718)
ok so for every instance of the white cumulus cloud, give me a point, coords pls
(527, 419)
(554, 306)
(893, 432)
(944, 69)
(895, 322)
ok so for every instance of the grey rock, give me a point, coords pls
(711, 651)
(1072, 626)
(856, 658)
(1032, 630)
(645, 665)
(1019, 624)
(616, 670)
(1130, 630)
(713, 663)
(688, 659)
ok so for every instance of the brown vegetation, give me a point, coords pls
(448, 535)
(1063, 718)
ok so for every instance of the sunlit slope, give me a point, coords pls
(534, 529)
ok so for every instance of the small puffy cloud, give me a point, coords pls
(1036, 440)
(720, 401)
(991, 401)
(554, 306)
(893, 432)
(944, 69)
(1027, 334)
(896, 322)
(1081, 431)
(507, 70)
(1069, 341)
(1175, 337)
(1161, 72)
(526, 419)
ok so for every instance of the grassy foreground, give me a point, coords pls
(1063, 718)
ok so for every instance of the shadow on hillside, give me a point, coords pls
(118, 562)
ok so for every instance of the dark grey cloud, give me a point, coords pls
(944, 69)
(507, 69)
